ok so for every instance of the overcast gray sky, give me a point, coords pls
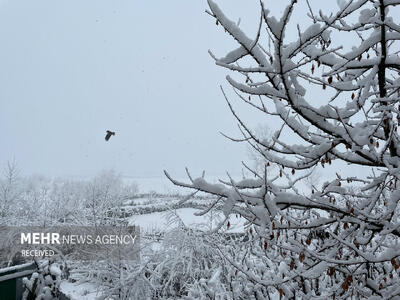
(70, 70)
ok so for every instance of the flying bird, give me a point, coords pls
(109, 134)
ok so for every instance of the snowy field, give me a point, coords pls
(83, 291)
(160, 221)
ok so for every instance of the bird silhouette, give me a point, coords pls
(109, 134)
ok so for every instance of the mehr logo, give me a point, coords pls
(39, 238)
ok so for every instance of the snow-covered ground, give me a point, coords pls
(161, 221)
(82, 291)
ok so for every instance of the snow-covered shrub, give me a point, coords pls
(185, 258)
(113, 278)
(170, 269)
(335, 108)
(229, 277)
(45, 282)
(194, 264)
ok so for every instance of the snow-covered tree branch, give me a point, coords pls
(341, 238)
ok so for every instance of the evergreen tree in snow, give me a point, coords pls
(338, 108)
